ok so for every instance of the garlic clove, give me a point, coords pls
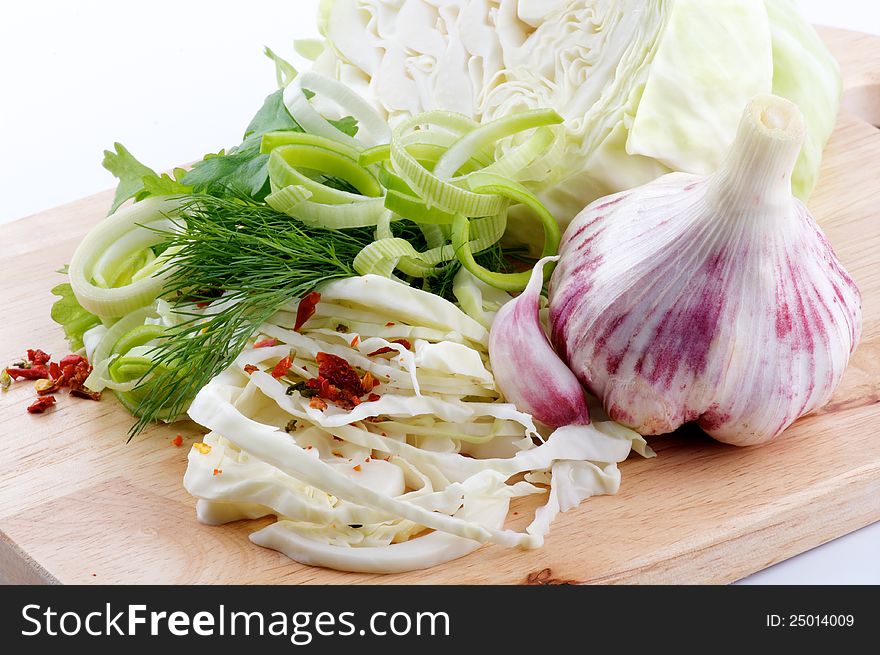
(711, 299)
(527, 370)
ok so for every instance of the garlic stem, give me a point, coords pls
(757, 170)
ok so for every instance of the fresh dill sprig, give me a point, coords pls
(258, 259)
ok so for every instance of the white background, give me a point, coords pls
(173, 80)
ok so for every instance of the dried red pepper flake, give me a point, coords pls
(338, 372)
(54, 370)
(88, 394)
(36, 372)
(388, 349)
(72, 360)
(37, 356)
(357, 467)
(282, 367)
(177, 441)
(318, 403)
(306, 309)
(250, 368)
(266, 343)
(218, 471)
(390, 324)
(203, 304)
(355, 341)
(41, 404)
(77, 376)
(373, 397)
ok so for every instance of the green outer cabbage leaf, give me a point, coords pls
(805, 72)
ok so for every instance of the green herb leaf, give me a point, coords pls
(70, 315)
(272, 116)
(164, 185)
(347, 125)
(243, 171)
(129, 171)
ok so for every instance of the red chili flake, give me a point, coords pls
(306, 309)
(37, 372)
(355, 341)
(177, 441)
(54, 370)
(357, 467)
(282, 367)
(338, 372)
(250, 368)
(317, 403)
(218, 471)
(37, 356)
(373, 397)
(387, 349)
(368, 382)
(88, 394)
(75, 375)
(390, 324)
(203, 304)
(72, 360)
(41, 404)
(266, 343)
(367, 460)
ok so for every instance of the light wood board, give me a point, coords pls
(79, 505)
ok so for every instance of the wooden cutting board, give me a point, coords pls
(79, 505)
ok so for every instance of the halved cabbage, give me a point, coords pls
(645, 86)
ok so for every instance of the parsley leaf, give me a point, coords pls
(164, 185)
(347, 125)
(129, 171)
(243, 170)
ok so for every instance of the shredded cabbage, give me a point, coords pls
(417, 475)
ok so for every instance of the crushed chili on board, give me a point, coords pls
(306, 309)
(37, 356)
(71, 371)
(41, 404)
(177, 441)
(37, 372)
(88, 394)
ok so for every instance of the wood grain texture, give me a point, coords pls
(79, 505)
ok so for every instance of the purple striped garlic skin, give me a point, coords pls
(527, 370)
(710, 299)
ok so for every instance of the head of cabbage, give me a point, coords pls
(645, 86)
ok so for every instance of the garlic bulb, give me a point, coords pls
(711, 299)
(527, 371)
